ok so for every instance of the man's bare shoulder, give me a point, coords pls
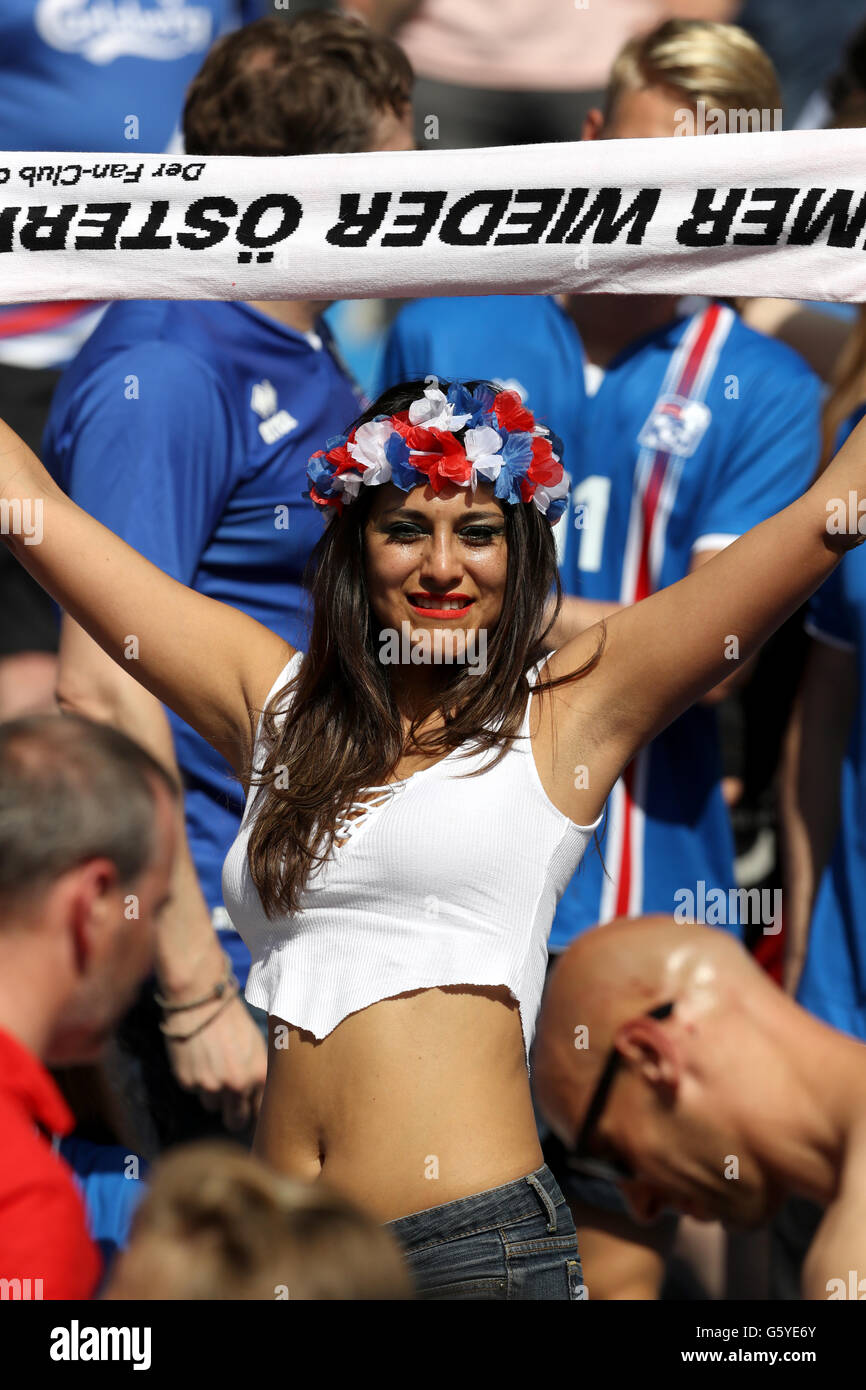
(835, 1266)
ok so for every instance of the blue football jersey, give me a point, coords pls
(697, 432)
(103, 76)
(833, 981)
(186, 428)
(525, 342)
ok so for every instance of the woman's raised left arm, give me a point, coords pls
(664, 653)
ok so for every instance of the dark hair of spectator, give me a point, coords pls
(317, 85)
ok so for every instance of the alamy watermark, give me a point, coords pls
(846, 517)
(22, 518)
(853, 1288)
(714, 120)
(717, 907)
(437, 647)
(24, 1289)
(77, 1343)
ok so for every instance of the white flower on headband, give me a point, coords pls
(483, 450)
(348, 485)
(543, 496)
(434, 412)
(368, 447)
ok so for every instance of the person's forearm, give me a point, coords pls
(119, 598)
(809, 779)
(799, 885)
(737, 680)
(25, 487)
(669, 650)
(187, 950)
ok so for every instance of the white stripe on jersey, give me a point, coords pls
(631, 559)
(707, 366)
(656, 550)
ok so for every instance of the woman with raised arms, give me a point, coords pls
(409, 827)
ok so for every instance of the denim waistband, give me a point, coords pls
(527, 1196)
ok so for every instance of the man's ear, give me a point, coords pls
(90, 908)
(648, 1045)
(593, 124)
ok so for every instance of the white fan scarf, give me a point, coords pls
(773, 213)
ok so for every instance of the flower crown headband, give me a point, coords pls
(502, 445)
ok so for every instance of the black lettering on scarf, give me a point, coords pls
(7, 227)
(422, 223)
(810, 221)
(248, 233)
(604, 210)
(56, 227)
(451, 231)
(719, 220)
(782, 200)
(113, 215)
(147, 239)
(355, 228)
(535, 223)
(196, 218)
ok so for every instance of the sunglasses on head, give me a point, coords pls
(581, 1160)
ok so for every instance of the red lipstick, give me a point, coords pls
(456, 605)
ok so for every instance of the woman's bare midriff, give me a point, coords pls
(410, 1103)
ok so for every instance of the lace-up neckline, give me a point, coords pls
(376, 798)
(349, 823)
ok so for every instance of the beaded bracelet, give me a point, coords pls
(228, 980)
(185, 1037)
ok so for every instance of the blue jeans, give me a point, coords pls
(515, 1241)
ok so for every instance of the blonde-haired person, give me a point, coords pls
(217, 1224)
(718, 66)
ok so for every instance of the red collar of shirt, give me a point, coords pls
(23, 1075)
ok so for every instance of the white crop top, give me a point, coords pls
(443, 880)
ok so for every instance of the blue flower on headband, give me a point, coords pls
(555, 509)
(321, 474)
(477, 404)
(556, 444)
(402, 473)
(516, 458)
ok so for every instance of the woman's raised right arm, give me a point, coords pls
(207, 661)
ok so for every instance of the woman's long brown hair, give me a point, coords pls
(343, 733)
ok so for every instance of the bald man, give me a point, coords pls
(667, 1060)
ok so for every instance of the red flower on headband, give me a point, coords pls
(544, 468)
(418, 437)
(334, 502)
(443, 460)
(512, 413)
(344, 461)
